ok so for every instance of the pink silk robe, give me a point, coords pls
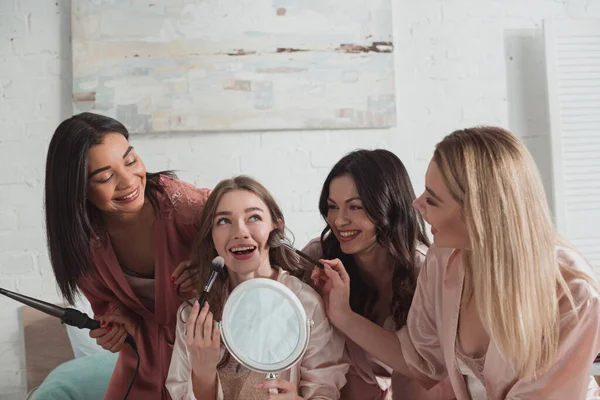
(174, 229)
(319, 375)
(367, 380)
(428, 340)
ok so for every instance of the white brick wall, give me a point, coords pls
(459, 63)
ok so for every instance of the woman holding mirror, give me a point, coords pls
(239, 223)
(503, 305)
(372, 227)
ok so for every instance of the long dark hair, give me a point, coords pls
(387, 194)
(203, 250)
(71, 220)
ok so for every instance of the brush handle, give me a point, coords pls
(308, 258)
(301, 254)
(202, 298)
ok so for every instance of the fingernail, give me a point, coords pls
(108, 328)
(102, 324)
(172, 278)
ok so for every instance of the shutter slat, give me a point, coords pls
(573, 72)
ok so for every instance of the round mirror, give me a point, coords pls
(264, 326)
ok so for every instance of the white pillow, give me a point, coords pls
(80, 339)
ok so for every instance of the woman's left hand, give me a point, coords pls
(287, 390)
(186, 278)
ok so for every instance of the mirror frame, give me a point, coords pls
(304, 324)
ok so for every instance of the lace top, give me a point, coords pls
(472, 370)
(239, 382)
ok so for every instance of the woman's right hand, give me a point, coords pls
(203, 340)
(336, 291)
(114, 326)
(318, 278)
(110, 336)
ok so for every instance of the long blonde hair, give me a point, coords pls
(511, 267)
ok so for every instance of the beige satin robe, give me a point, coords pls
(370, 379)
(428, 340)
(319, 375)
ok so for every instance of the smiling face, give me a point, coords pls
(442, 212)
(240, 234)
(116, 176)
(348, 219)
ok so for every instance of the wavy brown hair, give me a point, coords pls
(203, 250)
(386, 192)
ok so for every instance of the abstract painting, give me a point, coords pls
(235, 65)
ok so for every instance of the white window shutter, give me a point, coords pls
(573, 73)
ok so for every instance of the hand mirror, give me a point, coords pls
(264, 326)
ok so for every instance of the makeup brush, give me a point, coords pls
(301, 253)
(217, 265)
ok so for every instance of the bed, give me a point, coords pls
(63, 362)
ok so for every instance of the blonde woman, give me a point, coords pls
(502, 306)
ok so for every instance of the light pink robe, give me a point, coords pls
(428, 340)
(173, 232)
(370, 379)
(319, 375)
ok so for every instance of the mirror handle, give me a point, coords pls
(271, 376)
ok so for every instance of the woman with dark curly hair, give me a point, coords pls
(372, 227)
